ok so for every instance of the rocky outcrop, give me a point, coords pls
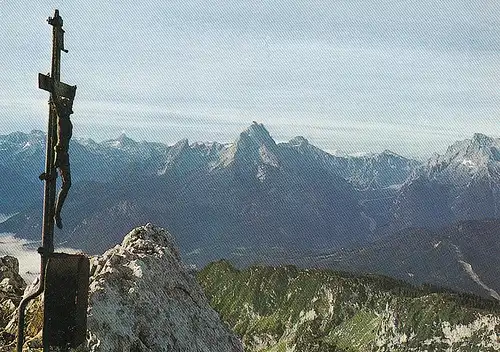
(11, 283)
(12, 286)
(143, 299)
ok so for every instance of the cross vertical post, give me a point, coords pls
(57, 89)
(50, 172)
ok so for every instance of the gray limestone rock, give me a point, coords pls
(142, 298)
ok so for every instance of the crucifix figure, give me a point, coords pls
(62, 106)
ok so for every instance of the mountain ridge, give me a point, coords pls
(256, 193)
(254, 162)
(285, 308)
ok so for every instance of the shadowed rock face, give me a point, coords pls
(143, 298)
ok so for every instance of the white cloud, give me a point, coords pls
(25, 252)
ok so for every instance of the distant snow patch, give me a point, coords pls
(394, 186)
(361, 154)
(469, 163)
(268, 157)
(371, 222)
(336, 152)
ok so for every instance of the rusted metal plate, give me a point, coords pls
(61, 89)
(66, 300)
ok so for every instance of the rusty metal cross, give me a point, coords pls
(63, 277)
(57, 89)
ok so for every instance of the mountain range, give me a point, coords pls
(256, 200)
(253, 191)
(462, 184)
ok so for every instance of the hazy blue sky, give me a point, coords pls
(411, 76)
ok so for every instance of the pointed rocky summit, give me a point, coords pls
(258, 134)
(254, 147)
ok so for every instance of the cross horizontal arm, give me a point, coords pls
(58, 88)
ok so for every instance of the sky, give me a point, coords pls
(356, 75)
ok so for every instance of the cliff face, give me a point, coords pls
(143, 299)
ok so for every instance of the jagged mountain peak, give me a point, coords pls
(175, 155)
(362, 170)
(18, 137)
(461, 184)
(21, 143)
(391, 153)
(177, 149)
(299, 141)
(255, 146)
(479, 141)
(37, 133)
(257, 134)
(483, 147)
(482, 139)
(183, 143)
(14, 136)
(86, 142)
(468, 156)
(123, 138)
(142, 297)
(123, 141)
